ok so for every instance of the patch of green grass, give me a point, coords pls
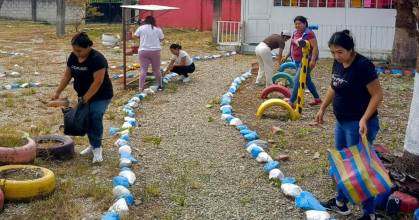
(152, 139)
(110, 115)
(10, 102)
(210, 119)
(11, 137)
(302, 132)
(215, 101)
(29, 92)
(96, 190)
(246, 200)
(179, 199)
(171, 88)
(151, 191)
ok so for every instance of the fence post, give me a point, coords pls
(60, 27)
(216, 17)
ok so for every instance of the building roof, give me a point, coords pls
(149, 7)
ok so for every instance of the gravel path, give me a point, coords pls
(200, 169)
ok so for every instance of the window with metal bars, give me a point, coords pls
(382, 4)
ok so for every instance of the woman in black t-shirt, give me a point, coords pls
(89, 69)
(356, 94)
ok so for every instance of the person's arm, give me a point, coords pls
(314, 53)
(330, 94)
(169, 67)
(161, 35)
(64, 82)
(376, 93)
(99, 76)
(279, 58)
(136, 33)
(182, 62)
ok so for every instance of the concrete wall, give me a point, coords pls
(46, 11)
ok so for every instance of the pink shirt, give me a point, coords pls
(296, 52)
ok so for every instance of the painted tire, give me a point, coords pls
(1, 200)
(287, 65)
(62, 151)
(275, 102)
(283, 75)
(275, 88)
(22, 154)
(23, 190)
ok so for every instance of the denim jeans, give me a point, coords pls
(95, 132)
(309, 83)
(346, 135)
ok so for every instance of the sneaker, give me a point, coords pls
(332, 206)
(368, 217)
(182, 77)
(315, 102)
(160, 88)
(186, 79)
(97, 155)
(86, 151)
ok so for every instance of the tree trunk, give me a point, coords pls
(409, 162)
(60, 26)
(404, 55)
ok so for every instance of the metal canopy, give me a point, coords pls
(125, 8)
(149, 7)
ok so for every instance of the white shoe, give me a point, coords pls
(182, 77)
(86, 151)
(97, 155)
(186, 79)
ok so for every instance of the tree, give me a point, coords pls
(83, 10)
(404, 54)
(409, 162)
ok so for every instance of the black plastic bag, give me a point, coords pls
(76, 120)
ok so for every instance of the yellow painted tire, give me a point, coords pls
(275, 102)
(22, 190)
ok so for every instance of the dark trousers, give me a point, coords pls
(184, 70)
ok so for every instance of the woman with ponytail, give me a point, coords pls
(89, 69)
(356, 94)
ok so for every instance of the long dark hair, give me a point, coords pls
(81, 39)
(151, 21)
(302, 19)
(342, 39)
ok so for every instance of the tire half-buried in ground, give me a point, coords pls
(25, 182)
(22, 154)
(54, 147)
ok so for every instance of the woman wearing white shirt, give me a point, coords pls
(181, 63)
(149, 52)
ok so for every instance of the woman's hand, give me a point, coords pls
(319, 117)
(363, 129)
(284, 58)
(312, 64)
(55, 96)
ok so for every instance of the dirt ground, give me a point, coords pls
(302, 142)
(84, 191)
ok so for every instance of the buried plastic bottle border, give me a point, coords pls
(255, 146)
(126, 177)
